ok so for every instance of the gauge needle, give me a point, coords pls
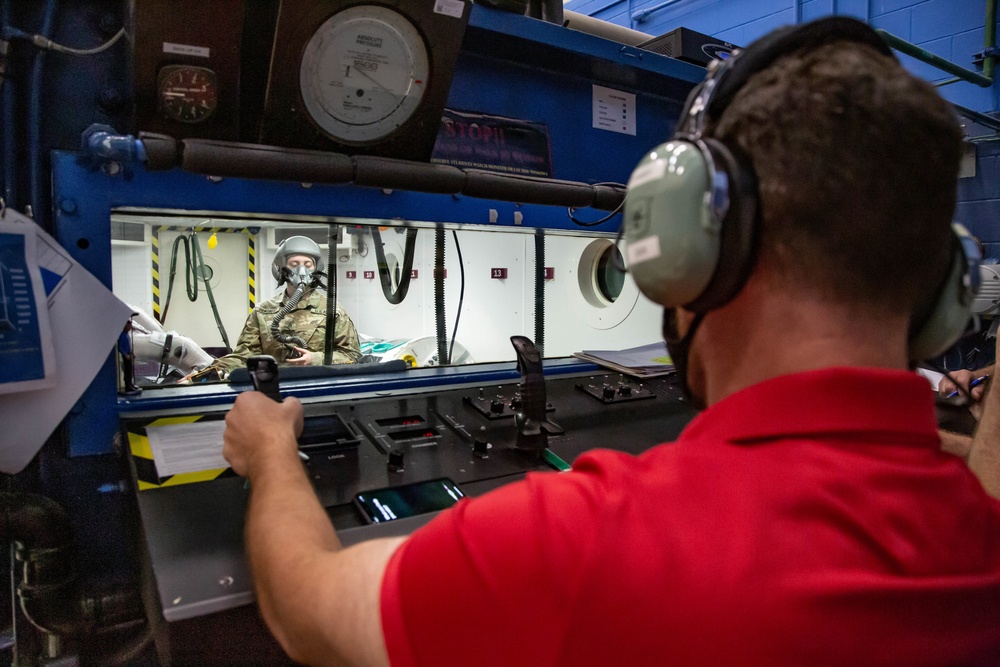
(367, 76)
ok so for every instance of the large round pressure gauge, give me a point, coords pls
(363, 73)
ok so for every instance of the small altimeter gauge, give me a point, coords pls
(187, 94)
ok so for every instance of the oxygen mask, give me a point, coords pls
(299, 275)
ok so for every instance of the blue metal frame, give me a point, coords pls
(510, 65)
(85, 195)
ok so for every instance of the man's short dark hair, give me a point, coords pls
(857, 162)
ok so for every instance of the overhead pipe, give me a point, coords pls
(922, 55)
(989, 38)
(604, 29)
(644, 14)
(236, 160)
(988, 55)
(980, 118)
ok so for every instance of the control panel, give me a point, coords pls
(479, 436)
(470, 434)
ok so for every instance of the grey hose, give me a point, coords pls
(293, 301)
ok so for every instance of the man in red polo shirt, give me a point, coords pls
(806, 517)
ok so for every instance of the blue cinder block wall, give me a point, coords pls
(951, 29)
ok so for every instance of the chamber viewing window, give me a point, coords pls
(610, 279)
(601, 281)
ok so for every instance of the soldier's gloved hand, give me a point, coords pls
(304, 360)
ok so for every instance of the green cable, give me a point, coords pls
(553, 460)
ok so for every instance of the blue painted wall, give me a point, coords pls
(952, 29)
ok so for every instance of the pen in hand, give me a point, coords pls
(975, 383)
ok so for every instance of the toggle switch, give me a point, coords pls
(395, 460)
(481, 448)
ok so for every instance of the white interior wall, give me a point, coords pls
(493, 310)
(131, 274)
(228, 262)
(572, 323)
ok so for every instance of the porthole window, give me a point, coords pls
(609, 278)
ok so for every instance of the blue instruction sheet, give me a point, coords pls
(26, 353)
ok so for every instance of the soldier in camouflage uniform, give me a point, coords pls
(306, 321)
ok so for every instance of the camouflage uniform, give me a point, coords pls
(307, 321)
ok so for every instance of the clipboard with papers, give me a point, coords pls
(645, 361)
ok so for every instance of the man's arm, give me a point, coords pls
(984, 456)
(958, 444)
(320, 600)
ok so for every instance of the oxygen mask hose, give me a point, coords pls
(302, 277)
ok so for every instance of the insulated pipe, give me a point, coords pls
(50, 594)
(37, 521)
(604, 29)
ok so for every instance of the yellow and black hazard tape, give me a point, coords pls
(142, 456)
(251, 272)
(156, 273)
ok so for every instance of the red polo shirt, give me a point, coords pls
(809, 520)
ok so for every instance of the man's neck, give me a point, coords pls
(765, 333)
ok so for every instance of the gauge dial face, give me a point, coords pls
(363, 73)
(187, 94)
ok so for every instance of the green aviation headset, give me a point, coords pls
(691, 215)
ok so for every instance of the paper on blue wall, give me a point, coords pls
(27, 358)
(86, 319)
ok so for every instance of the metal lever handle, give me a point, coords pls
(263, 370)
(533, 428)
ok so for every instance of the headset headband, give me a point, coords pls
(725, 78)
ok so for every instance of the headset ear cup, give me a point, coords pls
(952, 310)
(671, 233)
(739, 229)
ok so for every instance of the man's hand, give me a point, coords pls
(304, 360)
(964, 378)
(258, 428)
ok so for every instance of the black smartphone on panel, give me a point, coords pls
(397, 502)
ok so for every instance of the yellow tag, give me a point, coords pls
(213, 241)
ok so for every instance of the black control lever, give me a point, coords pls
(263, 370)
(533, 427)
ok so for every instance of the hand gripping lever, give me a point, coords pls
(263, 370)
(533, 428)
